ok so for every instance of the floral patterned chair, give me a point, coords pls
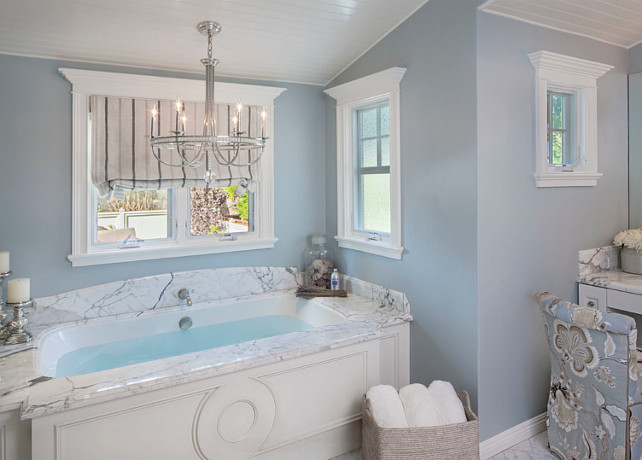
(594, 405)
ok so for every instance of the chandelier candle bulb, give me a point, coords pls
(4, 261)
(178, 114)
(151, 133)
(263, 124)
(19, 290)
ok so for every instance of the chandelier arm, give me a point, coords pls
(164, 162)
(221, 159)
(194, 163)
(251, 162)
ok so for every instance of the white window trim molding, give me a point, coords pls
(381, 86)
(558, 72)
(86, 83)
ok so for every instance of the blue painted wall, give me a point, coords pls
(35, 179)
(528, 237)
(438, 271)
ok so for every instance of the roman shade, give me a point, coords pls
(121, 158)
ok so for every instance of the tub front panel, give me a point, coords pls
(297, 409)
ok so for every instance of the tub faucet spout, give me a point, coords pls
(183, 294)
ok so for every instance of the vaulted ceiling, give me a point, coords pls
(306, 41)
(618, 22)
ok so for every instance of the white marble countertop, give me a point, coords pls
(614, 279)
(23, 386)
(599, 267)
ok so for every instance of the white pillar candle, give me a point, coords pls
(18, 290)
(4, 261)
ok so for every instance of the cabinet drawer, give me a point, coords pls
(624, 301)
(592, 296)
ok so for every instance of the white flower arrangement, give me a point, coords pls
(629, 239)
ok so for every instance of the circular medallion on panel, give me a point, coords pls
(234, 420)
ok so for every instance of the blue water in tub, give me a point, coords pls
(148, 348)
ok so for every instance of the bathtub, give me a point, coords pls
(100, 345)
(293, 392)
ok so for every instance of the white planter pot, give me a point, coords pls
(631, 261)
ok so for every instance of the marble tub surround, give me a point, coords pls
(385, 296)
(598, 259)
(23, 385)
(159, 291)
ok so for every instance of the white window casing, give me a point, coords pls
(556, 72)
(376, 88)
(86, 83)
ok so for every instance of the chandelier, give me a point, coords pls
(192, 149)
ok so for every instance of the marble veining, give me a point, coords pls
(22, 384)
(598, 259)
(599, 267)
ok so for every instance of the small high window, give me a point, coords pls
(560, 124)
(565, 120)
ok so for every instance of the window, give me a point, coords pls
(565, 120)
(368, 164)
(149, 217)
(561, 128)
(372, 147)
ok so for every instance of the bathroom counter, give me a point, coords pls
(614, 279)
(599, 267)
(368, 309)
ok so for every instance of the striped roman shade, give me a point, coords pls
(121, 158)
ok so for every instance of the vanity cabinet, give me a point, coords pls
(606, 298)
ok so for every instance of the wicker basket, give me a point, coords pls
(447, 442)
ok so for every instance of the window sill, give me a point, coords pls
(567, 179)
(113, 256)
(379, 248)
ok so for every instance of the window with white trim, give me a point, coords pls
(150, 212)
(368, 163)
(565, 120)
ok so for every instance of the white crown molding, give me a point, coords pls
(545, 60)
(384, 82)
(151, 87)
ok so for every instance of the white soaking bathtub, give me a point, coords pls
(100, 345)
(268, 377)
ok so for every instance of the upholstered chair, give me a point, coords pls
(594, 405)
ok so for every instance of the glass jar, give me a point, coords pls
(318, 263)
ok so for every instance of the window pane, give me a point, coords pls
(141, 214)
(214, 211)
(385, 151)
(375, 202)
(369, 153)
(557, 112)
(556, 148)
(385, 119)
(368, 123)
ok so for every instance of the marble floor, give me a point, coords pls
(534, 448)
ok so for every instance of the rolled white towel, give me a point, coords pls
(418, 405)
(447, 403)
(386, 407)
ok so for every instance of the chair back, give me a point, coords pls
(593, 373)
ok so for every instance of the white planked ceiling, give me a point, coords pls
(305, 41)
(618, 22)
